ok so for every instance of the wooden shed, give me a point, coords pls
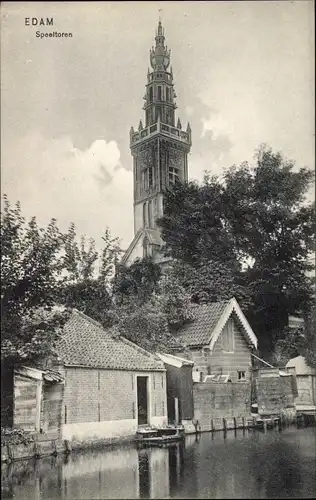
(179, 389)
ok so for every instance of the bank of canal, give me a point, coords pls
(250, 464)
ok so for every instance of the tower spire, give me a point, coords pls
(159, 147)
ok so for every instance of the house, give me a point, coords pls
(107, 385)
(179, 389)
(219, 340)
(306, 383)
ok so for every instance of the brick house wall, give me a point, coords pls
(103, 403)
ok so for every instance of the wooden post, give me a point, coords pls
(38, 405)
(235, 423)
(225, 424)
(212, 425)
(243, 423)
(176, 410)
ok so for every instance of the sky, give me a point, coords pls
(243, 73)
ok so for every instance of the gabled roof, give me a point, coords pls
(132, 246)
(86, 343)
(172, 360)
(208, 322)
(153, 236)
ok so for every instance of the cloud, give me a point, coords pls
(211, 140)
(88, 187)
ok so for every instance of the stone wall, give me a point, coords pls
(215, 401)
(274, 394)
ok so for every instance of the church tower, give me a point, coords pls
(160, 150)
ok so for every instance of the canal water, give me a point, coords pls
(240, 464)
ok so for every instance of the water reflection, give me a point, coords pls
(235, 465)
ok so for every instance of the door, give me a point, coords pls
(142, 400)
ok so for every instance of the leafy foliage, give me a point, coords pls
(291, 344)
(87, 281)
(248, 235)
(174, 301)
(13, 435)
(149, 305)
(136, 283)
(30, 277)
(146, 326)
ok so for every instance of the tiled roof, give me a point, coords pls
(200, 329)
(85, 342)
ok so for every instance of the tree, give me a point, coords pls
(31, 316)
(87, 281)
(137, 282)
(310, 336)
(291, 343)
(174, 301)
(149, 306)
(194, 225)
(146, 326)
(249, 234)
(30, 276)
(213, 281)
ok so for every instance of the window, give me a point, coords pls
(159, 93)
(150, 214)
(144, 215)
(228, 337)
(150, 94)
(150, 177)
(167, 94)
(136, 168)
(146, 248)
(145, 179)
(242, 375)
(173, 175)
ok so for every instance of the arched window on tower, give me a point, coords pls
(150, 214)
(146, 251)
(167, 94)
(144, 214)
(150, 94)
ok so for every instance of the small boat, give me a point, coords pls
(264, 422)
(158, 436)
